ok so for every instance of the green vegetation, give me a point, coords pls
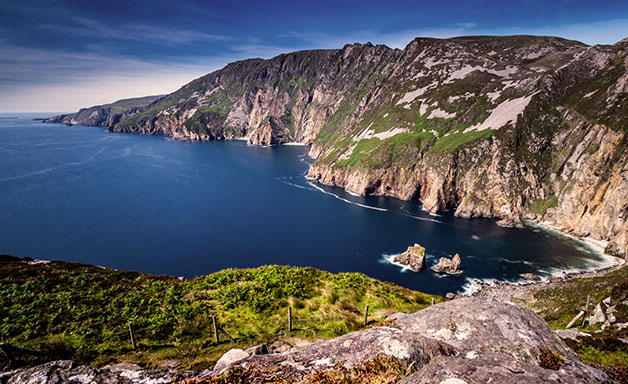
(124, 105)
(456, 140)
(148, 114)
(401, 150)
(212, 115)
(80, 312)
(550, 360)
(559, 303)
(539, 207)
(594, 107)
(218, 103)
(361, 152)
(592, 148)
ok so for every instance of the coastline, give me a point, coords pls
(506, 291)
(605, 264)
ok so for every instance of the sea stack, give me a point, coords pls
(449, 266)
(413, 258)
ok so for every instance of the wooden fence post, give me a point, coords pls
(226, 334)
(289, 319)
(216, 339)
(586, 312)
(132, 334)
(366, 314)
(432, 301)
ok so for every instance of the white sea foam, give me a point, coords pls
(295, 144)
(604, 262)
(345, 200)
(420, 218)
(501, 259)
(428, 212)
(474, 285)
(295, 185)
(52, 169)
(388, 259)
(594, 246)
(474, 237)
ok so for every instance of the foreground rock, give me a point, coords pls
(65, 371)
(469, 340)
(413, 258)
(449, 266)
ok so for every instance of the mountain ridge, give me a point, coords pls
(518, 128)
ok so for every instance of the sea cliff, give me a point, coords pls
(516, 128)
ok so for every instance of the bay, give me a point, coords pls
(149, 204)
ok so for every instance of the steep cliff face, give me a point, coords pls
(516, 128)
(107, 115)
(547, 145)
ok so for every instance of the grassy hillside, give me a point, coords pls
(559, 303)
(80, 312)
(124, 105)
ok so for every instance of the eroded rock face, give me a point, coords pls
(516, 128)
(413, 258)
(449, 266)
(56, 372)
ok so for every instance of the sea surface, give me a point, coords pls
(150, 204)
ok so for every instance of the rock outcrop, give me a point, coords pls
(470, 340)
(449, 266)
(413, 258)
(516, 128)
(65, 371)
(107, 115)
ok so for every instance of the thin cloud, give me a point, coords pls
(48, 79)
(136, 32)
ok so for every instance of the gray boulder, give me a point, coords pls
(234, 355)
(468, 340)
(597, 316)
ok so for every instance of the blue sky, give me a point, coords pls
(60, 55)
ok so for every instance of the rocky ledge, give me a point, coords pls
(468, 340)
(65, 371)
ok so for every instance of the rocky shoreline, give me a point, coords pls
(507, 291)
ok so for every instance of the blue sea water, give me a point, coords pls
(149, 204)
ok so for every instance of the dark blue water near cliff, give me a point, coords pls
(148, 204)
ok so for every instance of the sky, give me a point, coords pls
(62, 55)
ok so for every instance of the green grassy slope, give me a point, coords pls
(80, 312)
